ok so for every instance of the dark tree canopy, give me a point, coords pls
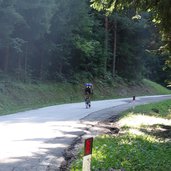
(160, 11)
(68, 40)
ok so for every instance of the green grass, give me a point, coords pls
(160, 110)
(17, 96)
(156, 88)
(143, 144)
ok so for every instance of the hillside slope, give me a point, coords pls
(16, 96)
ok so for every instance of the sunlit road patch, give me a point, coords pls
(30, 140)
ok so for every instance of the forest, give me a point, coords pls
(69, 40)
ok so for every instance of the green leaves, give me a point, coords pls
(86, 46)
(104, 5)
(17, 44)
(159, 10)
(68, 37)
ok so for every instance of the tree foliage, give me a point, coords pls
(66, 40)
(159, 10)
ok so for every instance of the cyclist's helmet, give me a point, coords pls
(88, 85)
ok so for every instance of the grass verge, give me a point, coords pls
(143, 143)
(17, 96)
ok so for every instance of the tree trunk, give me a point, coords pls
(19, 67)
(25, 62)
(6, 60)
(114, 49)
(41, 67)
(106, 44)
(60, 68)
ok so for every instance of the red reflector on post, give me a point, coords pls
(88, 146)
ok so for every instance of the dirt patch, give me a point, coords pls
(71, 153)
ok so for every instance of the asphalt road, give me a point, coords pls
(35, 140)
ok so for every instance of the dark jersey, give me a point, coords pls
(88, 88)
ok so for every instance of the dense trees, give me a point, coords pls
(68, 40)
(160, 15)
(159, 9)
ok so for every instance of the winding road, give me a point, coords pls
(35, 140)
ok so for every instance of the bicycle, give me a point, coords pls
(87, 101)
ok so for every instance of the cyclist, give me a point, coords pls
(88, 91)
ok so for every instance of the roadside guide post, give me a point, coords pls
(133, 100)
(87, 154)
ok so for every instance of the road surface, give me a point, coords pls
(35, 140)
